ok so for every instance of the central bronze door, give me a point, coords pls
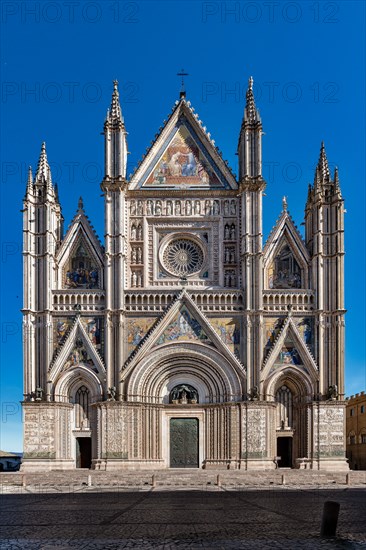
(184, 442)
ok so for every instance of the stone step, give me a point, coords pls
(179, 478)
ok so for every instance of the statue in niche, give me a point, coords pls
(184, 393)
(232, 256)
(253, 394)
(158, 208)
(178, 209)
(169, 208)
(139, 208)
(233, 208)
(112, 393)
(139, 255)
(207, 208)
(134, 279)
(85, 423)
(197, 208)
(226, 208)
(149, 208)
(133, 208)
(216, 208)
(139, 233)
(134, 256)
(227, 255)
(286, 270)
(232, 232)
(133, 233)
(39, 394)
(332, 392)
(175, 394)
(188, 208)
(227, 232)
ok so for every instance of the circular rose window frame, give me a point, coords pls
(169, 240)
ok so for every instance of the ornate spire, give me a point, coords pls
(80, 204)
(115, 144)
(323, 167)
(310, 194)
(284, 204)
(114, 114)
(336, 177)
(43, 174)
(337, 187)
(30, 179)
(251, 113)
(56, 192)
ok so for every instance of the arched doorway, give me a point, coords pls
(184, 392)
(81, 387)
(284, 426)
(292, 394)
(82, 423)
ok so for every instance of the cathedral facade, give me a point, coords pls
(183, 340)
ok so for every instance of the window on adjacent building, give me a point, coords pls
(363, 438)
(352, 440)
(362, 408)
(351, 412)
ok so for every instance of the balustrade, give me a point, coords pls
(279, 300)
(66, 300)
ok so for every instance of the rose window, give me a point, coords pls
(183, 257)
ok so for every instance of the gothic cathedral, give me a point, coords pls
(182, 341)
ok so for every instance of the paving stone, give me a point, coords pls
(276, 517)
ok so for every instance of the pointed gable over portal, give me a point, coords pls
(285, 257)
(289, 350)
(183, 155)
(182, 322)
(80, 257)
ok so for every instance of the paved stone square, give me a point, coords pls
(150, 518)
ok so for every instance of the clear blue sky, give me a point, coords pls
(57, 67)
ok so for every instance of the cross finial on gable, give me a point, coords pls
(182, 73)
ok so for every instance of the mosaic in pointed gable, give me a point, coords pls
(94, 327)
(61, 326)
(184, 327)
(137, 329)
(284, 271)
(305, 326)
(183, 163)
(79, 356)
(288, 355)
(272, 328)
(228, 328)
(81, 271)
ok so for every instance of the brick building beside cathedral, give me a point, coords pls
(182, 340)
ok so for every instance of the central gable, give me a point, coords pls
(184, 162)
(183, 156)
(183, 327)
(182, 323)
